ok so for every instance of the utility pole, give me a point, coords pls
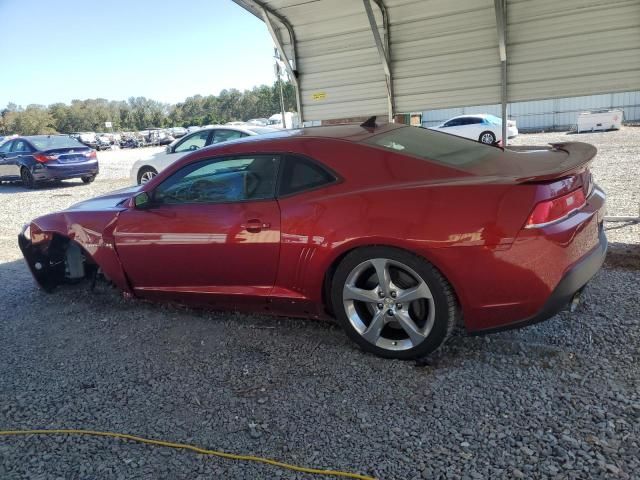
(276, 56)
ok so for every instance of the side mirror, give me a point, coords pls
(2, 154)
(168, 149)
(142, 201)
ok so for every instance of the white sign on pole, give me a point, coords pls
(107, 124)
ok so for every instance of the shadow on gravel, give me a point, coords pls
(16, 187)
(623, 255)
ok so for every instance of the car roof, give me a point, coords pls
(473, 115)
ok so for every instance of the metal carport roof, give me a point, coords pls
(417, 55)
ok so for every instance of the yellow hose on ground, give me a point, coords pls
(193, 448)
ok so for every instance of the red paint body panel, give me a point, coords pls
(468, 222)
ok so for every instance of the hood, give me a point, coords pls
(109, 201)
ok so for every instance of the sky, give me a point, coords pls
(60, 50)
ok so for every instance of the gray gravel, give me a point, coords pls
(557, 400)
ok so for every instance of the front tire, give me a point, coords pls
(88, 179)
(27, 178)
(487, 137)
(393, 303)
(145, 174)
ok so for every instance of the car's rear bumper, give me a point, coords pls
(43, 172)
(571, 283)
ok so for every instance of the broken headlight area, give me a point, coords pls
(54, 259)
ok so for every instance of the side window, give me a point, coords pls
(300, 174)
(193, 142)
(475, 120)
(223, 180)
(453, 123)
(220, 136)
(20, 146)
(6, 147)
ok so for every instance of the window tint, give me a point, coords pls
(5, 147)
(301, 174)
(224, 180)
(20, 146)
(220, 136)
(432, 145)
(193, 142)
(46, 142)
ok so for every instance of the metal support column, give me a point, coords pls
(501, 26)
(287, 63)
(383, 49)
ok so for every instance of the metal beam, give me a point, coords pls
(501, 28)
(264, 13)
(383, 52)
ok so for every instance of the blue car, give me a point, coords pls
(41, 158)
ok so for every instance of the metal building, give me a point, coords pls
(362, 57)
(551, 114)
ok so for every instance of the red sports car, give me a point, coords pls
(398, 232)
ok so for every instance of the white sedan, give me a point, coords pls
(482, 127)
(148, 167)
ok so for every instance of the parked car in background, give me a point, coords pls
(290, 118)
(86, 138)
(482, 127)
(178, 132)
(146, 168)
(258, 122)
(400, 233)
(40, 158)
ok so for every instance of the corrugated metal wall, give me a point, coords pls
(444, 53)
(559, 113)
(561, 48)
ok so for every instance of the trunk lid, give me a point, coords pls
(70, 155)
(537, 164)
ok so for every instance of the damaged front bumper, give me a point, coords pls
(46, 259)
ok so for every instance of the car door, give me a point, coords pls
(452, 126)
(211, 232)
(20, 149)
(5, 158)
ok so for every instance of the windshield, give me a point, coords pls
(431, 145)
(49, 142)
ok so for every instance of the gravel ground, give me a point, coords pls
(556, 400)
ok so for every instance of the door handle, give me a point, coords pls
(255, 225)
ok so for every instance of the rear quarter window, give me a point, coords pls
(300, 174)
(427, 144)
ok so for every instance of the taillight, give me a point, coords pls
(91, 155)
(42, 158)
(556, 209)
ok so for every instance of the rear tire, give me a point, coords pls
(27, 179)
(88, 179)
(145, 174)
(487, 137)
(408, 315)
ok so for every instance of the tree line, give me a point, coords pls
(139, 113)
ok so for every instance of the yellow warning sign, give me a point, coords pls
(319, 96)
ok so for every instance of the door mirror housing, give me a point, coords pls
(168, 149)
(142, 201)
